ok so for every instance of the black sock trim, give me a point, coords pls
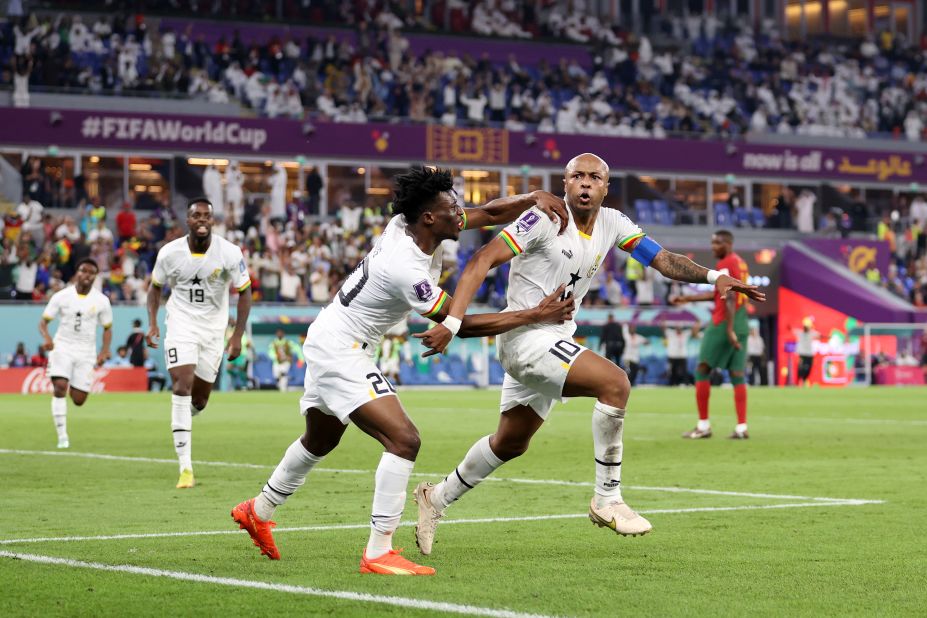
(608, 463)
(461, 479)
(275, 490)
(178, 430)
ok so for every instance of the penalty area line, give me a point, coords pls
(344, 595)
(480, 520)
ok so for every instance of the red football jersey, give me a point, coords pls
(733, 266)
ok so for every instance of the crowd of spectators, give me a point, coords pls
(907, 241)
(718, 77)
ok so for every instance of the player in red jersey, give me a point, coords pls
(724, 345)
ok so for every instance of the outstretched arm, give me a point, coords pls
(553, 309)
(681, 268)
(506, 209)
(692, 298)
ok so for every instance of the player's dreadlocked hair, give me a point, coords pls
(417, 190)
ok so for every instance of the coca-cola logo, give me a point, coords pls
(36, 381)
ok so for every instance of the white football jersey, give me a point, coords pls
(544, 260)
(199, 283)
(395, 278)
(80, 314)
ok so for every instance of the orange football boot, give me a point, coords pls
(260, 531)
(392, 563)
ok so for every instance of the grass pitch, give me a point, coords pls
(821, 512)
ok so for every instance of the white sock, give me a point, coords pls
(703, 425)
(389, 498)
(282, 383)
(477, 464)
(740, 427)
(607, 430)
(288, 476)
(181, 426)
(60, 416)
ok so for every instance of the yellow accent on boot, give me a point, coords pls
(186, 480)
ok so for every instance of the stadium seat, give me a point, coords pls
(758, 217)
(662, 214)
(723, 214)
(741, 217)
(263, 371)
(496, 372)
(644, 211)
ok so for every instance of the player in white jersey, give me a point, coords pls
(343, 384)
(73, 352)
(199, 268)
(542, 361)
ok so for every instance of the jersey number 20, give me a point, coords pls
(346, 298)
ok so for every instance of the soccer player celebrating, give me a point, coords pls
(724, 344)
(73, 352)
(199, 268)
(342, 382)
(542, 362)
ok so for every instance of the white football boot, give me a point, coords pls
(619, 517)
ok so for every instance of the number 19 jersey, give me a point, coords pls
(395, 278)
(199, 282)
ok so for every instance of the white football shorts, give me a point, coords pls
(76, 368)
(340, 376)
(204, 350)
(536, 364)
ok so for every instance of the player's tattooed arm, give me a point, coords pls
(681, 268)
(506, 209)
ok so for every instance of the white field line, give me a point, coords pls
(231, 464)
(344, 595)
(764, 417)
(482, 520)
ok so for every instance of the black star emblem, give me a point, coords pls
(196, 280)
(77, 315)
(574, 277)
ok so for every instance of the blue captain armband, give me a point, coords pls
(646, 250)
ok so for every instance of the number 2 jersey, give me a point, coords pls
(80, 314)
(199, 283)
(545, 259)
(395, 278)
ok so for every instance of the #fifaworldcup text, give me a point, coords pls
(158, 130)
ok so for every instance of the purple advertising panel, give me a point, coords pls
(182, 134)
(858, 255)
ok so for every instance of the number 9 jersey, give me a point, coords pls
(199, 282)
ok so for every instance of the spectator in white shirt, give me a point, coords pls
(100, 232)
(677, 352)
(756, 348)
